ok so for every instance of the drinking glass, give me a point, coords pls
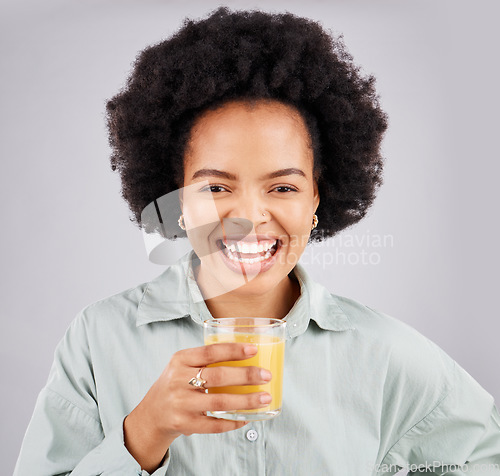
(269, 337)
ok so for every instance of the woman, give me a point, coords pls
(273, 137)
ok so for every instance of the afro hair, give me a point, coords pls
(239, 55)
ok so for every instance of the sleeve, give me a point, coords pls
(65, 435)
(459, 436)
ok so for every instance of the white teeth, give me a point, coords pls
(247, 247)
(242, 247)
(233, 257)
(268, 246)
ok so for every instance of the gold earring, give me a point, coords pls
(315, 222)
(180, 221)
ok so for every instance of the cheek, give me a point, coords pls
(200, 212)
(296, 218)
(296, 231)
(201, 220)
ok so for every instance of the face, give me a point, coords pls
(249, 195)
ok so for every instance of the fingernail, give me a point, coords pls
(265, 398)
(250, 349)
(265, 375)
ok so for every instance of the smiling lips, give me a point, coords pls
(248, 252)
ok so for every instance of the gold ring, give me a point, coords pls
(198, 382)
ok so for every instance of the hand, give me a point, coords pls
(172, 407)
(181, 409)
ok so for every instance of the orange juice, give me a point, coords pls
(270, 355)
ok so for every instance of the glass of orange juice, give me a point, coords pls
(269, 337)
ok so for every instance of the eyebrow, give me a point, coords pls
(213, 173)
(229, 176)
(284, 172)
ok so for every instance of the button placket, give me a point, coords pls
(253, 445)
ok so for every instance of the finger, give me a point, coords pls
(208, 424)
(224, 376)
(231, 402)
(200, 402)
(213, 353)
(221, 426)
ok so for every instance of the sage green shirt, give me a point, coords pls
(364, 394)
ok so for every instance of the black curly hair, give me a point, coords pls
(250, 55)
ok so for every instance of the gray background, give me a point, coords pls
(67, 240)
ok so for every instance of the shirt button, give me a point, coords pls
(252, 435)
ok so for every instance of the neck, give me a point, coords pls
(275, 303)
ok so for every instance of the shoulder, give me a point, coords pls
(405, 357)
(374, 323)
(100, 325)
(394, 350)
(375, 326)
(122, 306)
(108, 314)
(409, 375)
(120, 315)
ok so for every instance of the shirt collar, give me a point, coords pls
(175, 294)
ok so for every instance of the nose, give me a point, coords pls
(251, 207)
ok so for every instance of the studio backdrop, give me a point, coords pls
(427, 253)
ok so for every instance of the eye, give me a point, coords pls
(214, 189)
(284, 189)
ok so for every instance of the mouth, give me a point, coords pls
(249, 252)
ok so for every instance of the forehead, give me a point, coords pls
(251, 110)
(258, 130)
